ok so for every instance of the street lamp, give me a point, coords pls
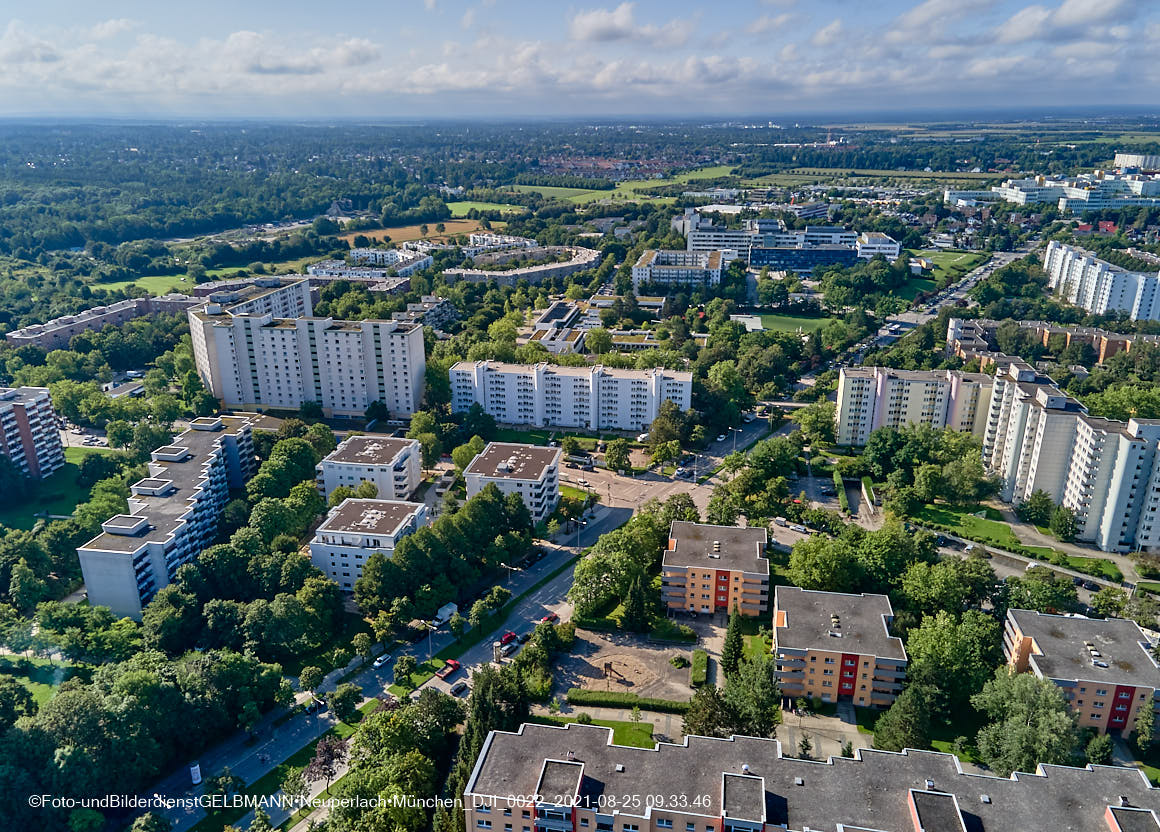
(509, 569)
(735, 432)
(579, 524)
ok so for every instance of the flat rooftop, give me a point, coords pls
(370, 450)
(804, 620)
(357, 516)
(512, 461)
(1061, 651)
(869, 791)
(717, 547)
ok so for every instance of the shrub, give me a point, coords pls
(621, 699)
(840, 488)
(584, 718)
(679, 661)
(700, 670)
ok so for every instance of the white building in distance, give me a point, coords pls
(532, 471)
(356, 529)
(546, 395)
(400, 261)
(252, 355)
(1098, 286)
(873, 243)
(173, 514)
(686, 269)
(392, 464)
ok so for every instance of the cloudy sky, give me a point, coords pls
(419, 58)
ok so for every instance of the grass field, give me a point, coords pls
(635, 734)
(422, 673)
(941, 175)
(160, 284)
(949, 266)
(631, 190)
(792, 323)
(913, 287)
(961, 520)
(413, 232)
(552, 192)
(40, 676)
(460, 209)
(58, 494)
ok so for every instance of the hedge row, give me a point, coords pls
(700, 669)
(620, 699)
(840, 488)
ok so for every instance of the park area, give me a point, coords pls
(950, 265)
(56, 495)
(792, 323)
(628, 191)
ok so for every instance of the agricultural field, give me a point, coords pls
(630, 190)
(460, 209)
(414, 232)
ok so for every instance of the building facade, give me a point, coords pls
(30, 431)
(392, 464)
(1082, 279)
(687, 269)
(57, 333)
(708, 569)
(401, 262)
(173, 514)
(356, 529)
(874, 397)
(431, 310)
(837, 647)
(1104, 667)
(251, 357)
(574, 778)
(592, 398)
(531, 471)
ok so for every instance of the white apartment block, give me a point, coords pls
(431, 310)
(1105, 471)
(873, 397)
(531, 471)
(400, 261)
(873, 243)
(30, 431)
(591, 398)
(356, 529)
(252, 358)
(719, 238)
(1101, 288)
(173, 514)
(391, 463)
(484, 241)
(692, 269)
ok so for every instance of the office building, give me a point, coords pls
(356, 529)
(391, 463)
(873, 243)
(684, 269)
(573, 778)
(837, 647)
(483, 241)
(173, 514)
(57, 333)
(253, 357)
(1147, 162)
(30, 431)
(708, 569)
(1104, 667)
(547, 395)
(1081, 278)
(802, 259)
(531, 471)
(874, 397)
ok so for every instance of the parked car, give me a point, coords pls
(381, 660)
(447, 669)
(459, 688)
(720, 437)
(508, 649)
(797, 527)
(584, 483)
(550, 618)
(523, 639)
(507, 637)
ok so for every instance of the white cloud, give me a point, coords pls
(770, 23)
(607, 25)
(429, 5)
(829, 34)
(1070, 19)
(112, 28)
(468, 19)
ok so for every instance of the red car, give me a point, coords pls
(447, 669)
(508, 637)
(550, 618)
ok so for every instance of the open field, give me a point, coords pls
(460, 209)
(159, 284)
(635, 734)
(629, 190)
(947, 175)
(412, 232)
(950, 265)
(913, 286)
(792, 323)
(59, 494)
(552, 192)
(961, 520)
(40, 676)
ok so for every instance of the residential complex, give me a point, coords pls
(591, 398)
(836, 647)
(874, 397)
(1103, 666)
(686, 269)
(30, 431)
(253, 356)
(57, 333)
(578, 260)
(531, 471)
(356, 529)
(711, 569)
(546, 778)
(173, 514)
(392, 464)
(968, 338)
(1101, 288)
(431, 310)
(399, 261)
(1096, 191)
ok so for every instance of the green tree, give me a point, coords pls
(753, 698)
(151, 822)
(598, 340)
(708, 714)
(1145, 729)
(734, 646)
(344, 700)
(1037, 508)
(330, 752)
(907, 722)
(457, 624)
(816, 421)
(310, 677)
(664, 452)
(1029, 722)
(1099, 750)
(616, 455)
(363, 645)
(954, 656)
(1063, 523)
(636, 617)
(405, 666)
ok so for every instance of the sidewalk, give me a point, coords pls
(1030, 536)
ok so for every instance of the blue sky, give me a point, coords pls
(512, 58)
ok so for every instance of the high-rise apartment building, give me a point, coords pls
(252, 355)
(356, 529)
(30, 431)
(547, 395)
(390, 463)
(173, 514)
(874, 397)
(708, 569)
(531, 471)
(1081, 278)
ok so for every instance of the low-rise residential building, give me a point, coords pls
(391, 463)
(57, 333)
(574, 778)
(968, 337)
(1100, 287)
(400, 261)
(687, 269)
(559, 340)
(837, 647)
(431, 310)
(874, 397)
(1104, 667)
(579, 259)
(173, 514)
(30, 431)
(531, 471)
(708, 569)
(355, 529)
(591, 397)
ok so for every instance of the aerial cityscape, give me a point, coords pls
(491, 416)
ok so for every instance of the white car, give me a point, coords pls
(381, 660)
(721, 437)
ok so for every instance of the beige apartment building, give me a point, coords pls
(708, 569)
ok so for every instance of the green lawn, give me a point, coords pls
(792, 323)
(40, 676)
(961, 520)
(1100, 567)
(756, 645)
(57, 494)
(422, 673)
(635, 734)
(1149, 586)
(913, 286)
(460, 209)
(553, 192)
(574, 493)
(636, 189)
(542, 436)
(950, 265)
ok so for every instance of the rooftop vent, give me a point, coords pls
(1124, 800)
(986, 798)
(745, 767)
(797, 781)
(929, 784)
(620, 768)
